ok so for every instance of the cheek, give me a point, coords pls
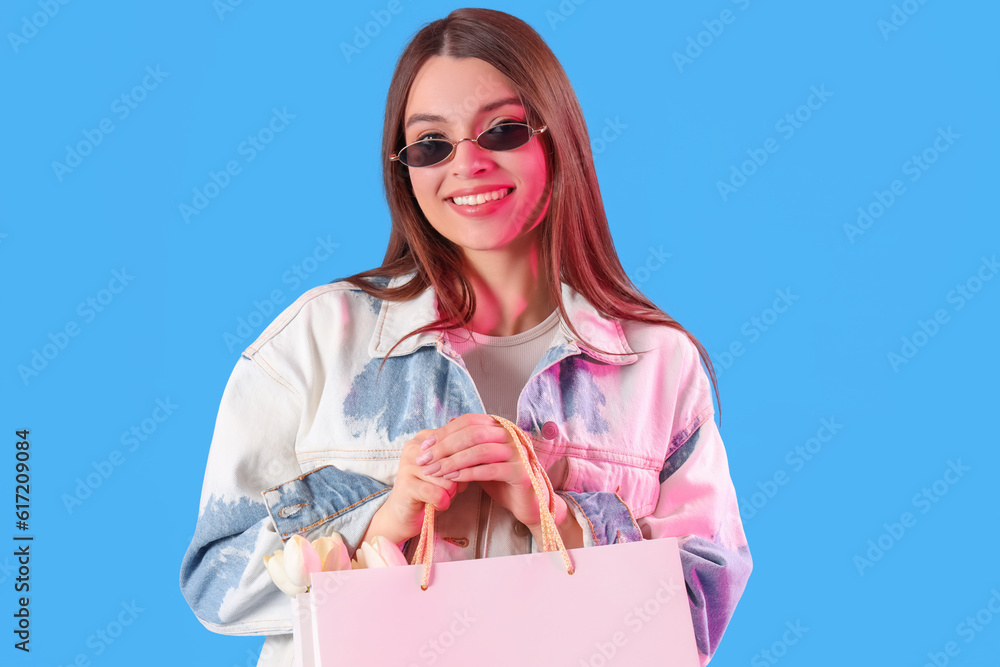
(424, 189)
(534, 171)
(533, 176)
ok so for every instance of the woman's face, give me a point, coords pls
(457, 98)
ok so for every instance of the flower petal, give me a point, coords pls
(300, 560)
(323, 546)
(359, 560)
(371, 556)
(333, 553)
(389, 552)
(276, 568)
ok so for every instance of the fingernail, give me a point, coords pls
(451, 475)
(433, 468)
(424, 458)
(431, 439)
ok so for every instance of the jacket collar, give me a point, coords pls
(398, 318)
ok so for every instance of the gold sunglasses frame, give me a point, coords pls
(454, 144)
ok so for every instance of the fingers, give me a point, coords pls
(470, 419)
(435, 495)
(420, 487)
(446, 484)
(482, 456)
(511, 473)
(476, 443)
(471, 439)
(415, 447)
(412, 490)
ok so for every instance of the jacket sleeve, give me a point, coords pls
(697, 504)
(255, 496)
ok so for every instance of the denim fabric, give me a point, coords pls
(608, 520)
(715, 578)
(321, 497)
(309, 434)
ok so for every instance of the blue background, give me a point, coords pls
(672, 131)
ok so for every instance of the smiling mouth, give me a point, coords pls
(482, 198)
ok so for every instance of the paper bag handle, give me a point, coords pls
(551, 539)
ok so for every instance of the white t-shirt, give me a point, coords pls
(501, 365)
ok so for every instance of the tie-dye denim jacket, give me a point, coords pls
(308, 438)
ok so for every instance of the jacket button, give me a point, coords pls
(520, 529)
(550, 430)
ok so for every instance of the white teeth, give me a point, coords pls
(476, 200)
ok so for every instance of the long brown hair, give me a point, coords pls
(575, 241)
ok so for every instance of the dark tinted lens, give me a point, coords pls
(424, 153)
(505, 137)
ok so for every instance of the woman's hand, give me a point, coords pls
(475, 447)
(402, 515)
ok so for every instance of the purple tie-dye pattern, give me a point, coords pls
(610, 521)
(715, 577)
(563, 389)
(581, 397)
(679, 456)
(539, 401)
(554, 355)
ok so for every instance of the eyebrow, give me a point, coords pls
(432, 118)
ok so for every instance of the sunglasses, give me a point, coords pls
(502, 137)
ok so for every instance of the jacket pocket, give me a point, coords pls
(637, 486)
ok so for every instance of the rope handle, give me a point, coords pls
(551, 539)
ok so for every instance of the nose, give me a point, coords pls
(470, 159)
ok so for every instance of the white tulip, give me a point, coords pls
(381, 553)
(301, 560)
(333, 553)
(369, 557)
(390, 552)
(276, 568)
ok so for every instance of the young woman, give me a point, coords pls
(500, 293)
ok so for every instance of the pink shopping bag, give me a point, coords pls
(623, 604)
